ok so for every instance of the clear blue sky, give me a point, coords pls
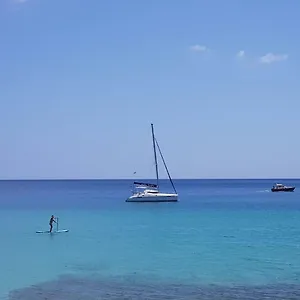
(81, 81)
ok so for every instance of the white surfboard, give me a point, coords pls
(55, 231)
(62, 230)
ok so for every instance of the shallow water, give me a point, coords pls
(232, 234)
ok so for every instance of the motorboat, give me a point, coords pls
(278, 187)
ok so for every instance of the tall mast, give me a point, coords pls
(155, 158)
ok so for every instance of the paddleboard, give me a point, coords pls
(56, 231)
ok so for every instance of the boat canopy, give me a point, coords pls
(146, 184)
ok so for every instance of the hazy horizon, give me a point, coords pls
(141, 179)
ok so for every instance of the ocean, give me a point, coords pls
(224, 239)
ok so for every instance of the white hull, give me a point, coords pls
(159, 197)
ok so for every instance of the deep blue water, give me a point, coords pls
(98, 194)
(224, 237)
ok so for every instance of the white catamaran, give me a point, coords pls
(148, 192)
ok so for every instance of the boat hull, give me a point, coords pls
(286, 189)
(153, 198)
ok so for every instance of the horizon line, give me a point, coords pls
(135, 179)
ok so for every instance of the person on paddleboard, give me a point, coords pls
(52, 219)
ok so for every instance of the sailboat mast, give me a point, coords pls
(155, 157)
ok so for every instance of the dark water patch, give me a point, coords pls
(73, 288)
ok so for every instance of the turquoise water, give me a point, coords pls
(225, 233)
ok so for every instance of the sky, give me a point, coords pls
(81, 82)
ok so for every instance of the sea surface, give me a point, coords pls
(224, 239)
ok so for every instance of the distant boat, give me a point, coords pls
(278, 187)
(149, 192)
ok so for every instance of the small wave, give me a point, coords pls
(229, 236)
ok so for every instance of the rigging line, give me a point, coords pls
(165, 165)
